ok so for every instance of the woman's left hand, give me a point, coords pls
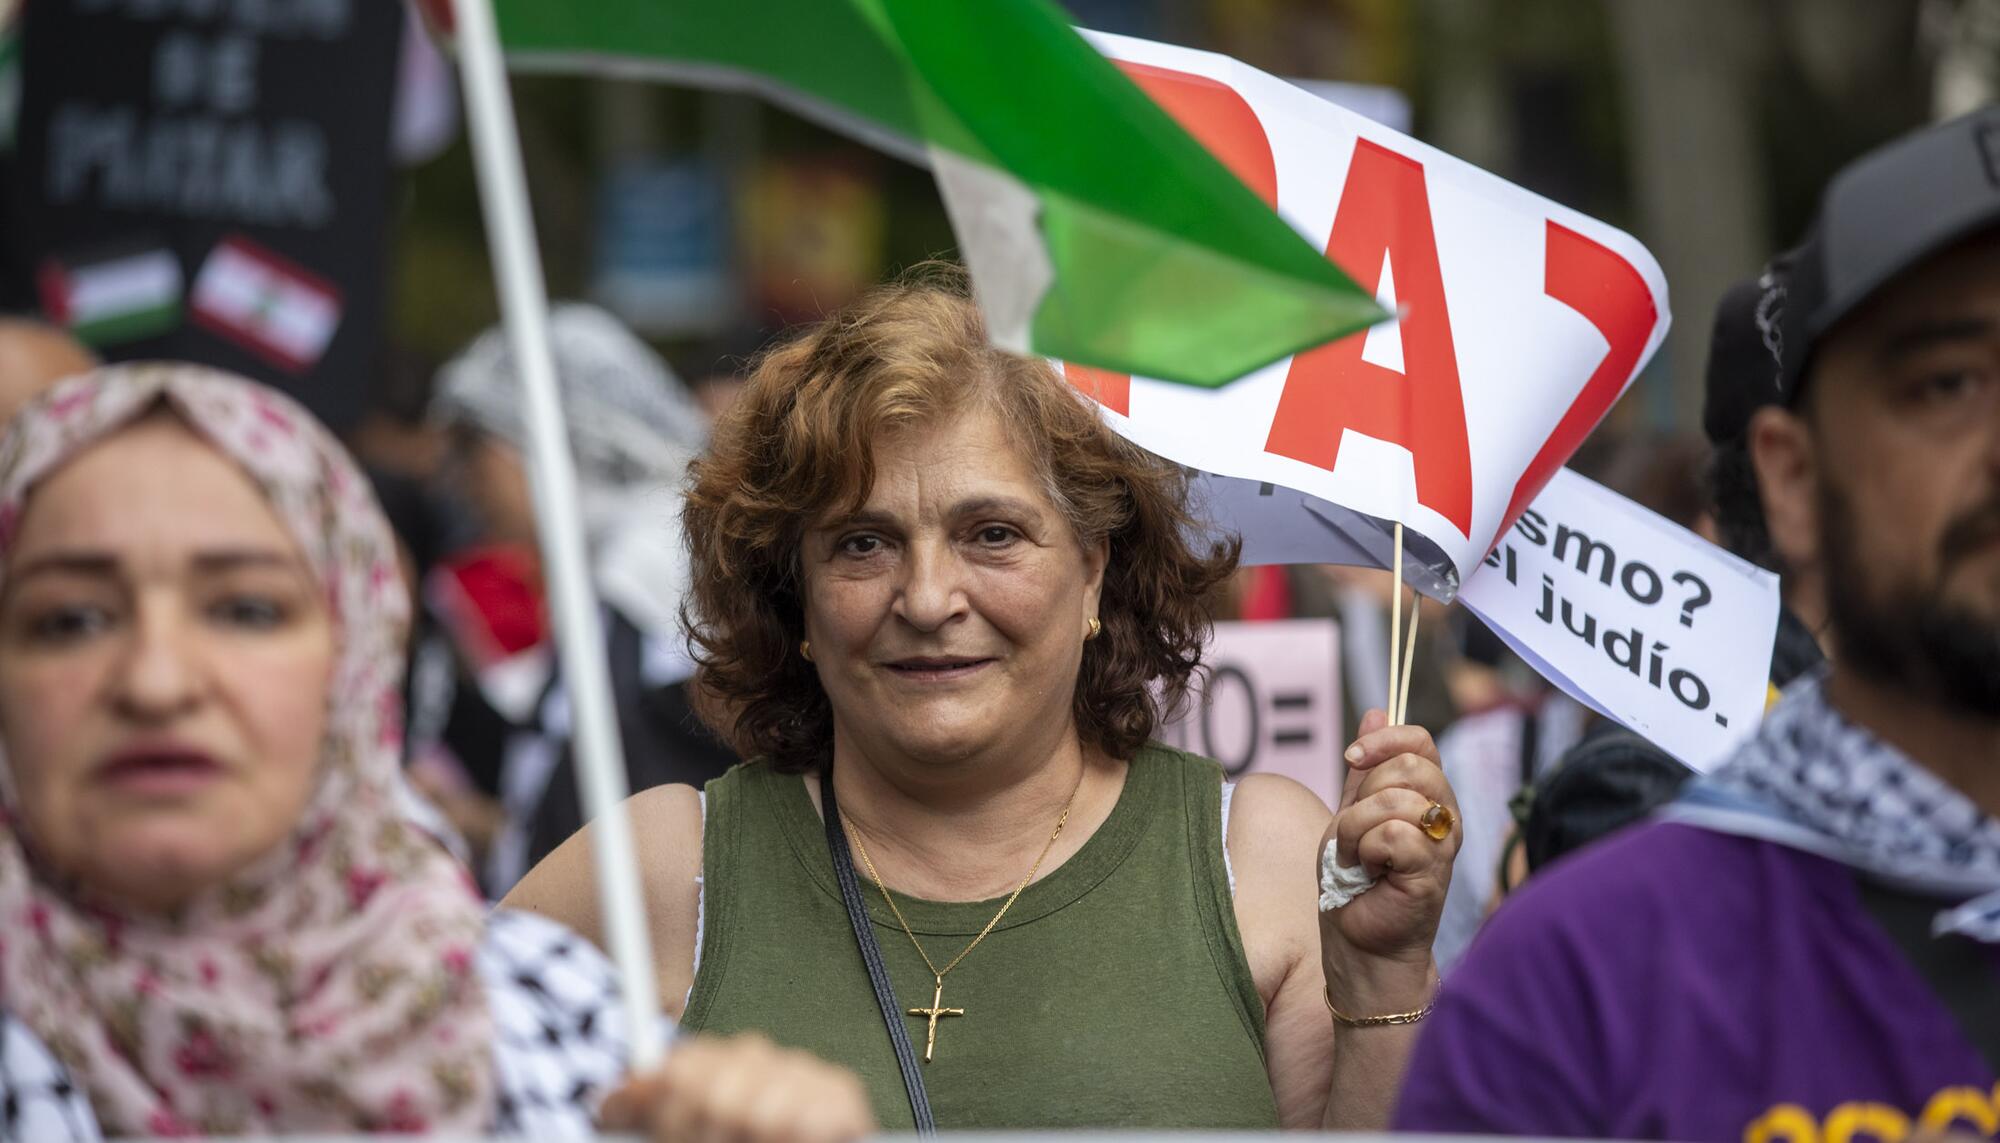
(1377, 948)
(742, 1089)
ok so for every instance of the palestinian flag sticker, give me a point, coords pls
(265, 303)
(112, 295)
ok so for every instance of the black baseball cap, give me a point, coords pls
(1745, 371)
(1881, 215)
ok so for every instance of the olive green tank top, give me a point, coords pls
(1115, 993)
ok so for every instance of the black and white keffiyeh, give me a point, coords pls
(1814, 781)
(633, 431)
(632, 424)
(560, 1043)
(560, 1035)
(38, 1099)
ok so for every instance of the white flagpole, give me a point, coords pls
(524, 304)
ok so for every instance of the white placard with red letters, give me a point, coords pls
(1522, 322)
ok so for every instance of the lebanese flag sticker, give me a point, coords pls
(266, 304)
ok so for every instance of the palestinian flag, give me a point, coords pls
(1096, 229)
(265, 303)
(113, 295)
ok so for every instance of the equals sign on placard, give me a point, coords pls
(1299, 703)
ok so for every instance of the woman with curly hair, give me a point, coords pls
(943, 608)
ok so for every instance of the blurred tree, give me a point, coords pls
(441, 285)
(1461, 94)
(1689, 70)
(1844, 75)
(1966, 36)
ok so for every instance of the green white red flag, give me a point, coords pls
(1096, 230)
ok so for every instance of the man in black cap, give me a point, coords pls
(1808, 947)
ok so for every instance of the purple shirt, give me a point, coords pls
(1675, 983)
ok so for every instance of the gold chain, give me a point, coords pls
(1018, 889)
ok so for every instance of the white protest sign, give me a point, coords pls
(1270, 703)
(1522, 321)
(1634, 616)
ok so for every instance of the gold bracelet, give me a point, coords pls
(1378, 1021)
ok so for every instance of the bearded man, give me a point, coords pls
(1807, 946)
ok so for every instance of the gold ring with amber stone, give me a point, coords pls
(1437, 821)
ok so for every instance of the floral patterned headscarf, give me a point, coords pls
(330, 986)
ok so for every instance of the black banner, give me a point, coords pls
(248, 139)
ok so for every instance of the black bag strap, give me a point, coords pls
(871, 957)
(1531, 745)
(1959, 970)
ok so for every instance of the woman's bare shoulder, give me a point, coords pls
(1269, 816)
(1275, 826)
(666, 831)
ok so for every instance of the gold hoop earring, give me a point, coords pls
(806, 649)
(1096, 629)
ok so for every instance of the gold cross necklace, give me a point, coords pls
(937, 1010)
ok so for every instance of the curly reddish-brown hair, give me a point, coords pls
(795, 450)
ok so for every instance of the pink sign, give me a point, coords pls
(1270, 703)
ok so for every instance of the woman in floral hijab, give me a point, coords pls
(214, 917)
